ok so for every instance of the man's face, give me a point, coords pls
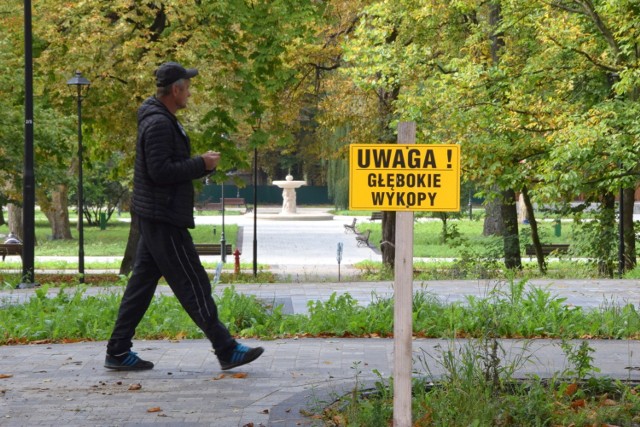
(181, 93)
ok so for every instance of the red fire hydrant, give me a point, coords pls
(236, 266)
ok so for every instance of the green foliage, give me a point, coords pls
(341, 315)
(538, 94)
(581, 359)
(507, 311)
(478, 386)
(102, 193)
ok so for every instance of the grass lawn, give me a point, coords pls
(474, 255)
(113, 240)
(428, 242)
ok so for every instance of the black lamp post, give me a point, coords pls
(28, 183)
(223, 242)
(80, 91)
(255, 211)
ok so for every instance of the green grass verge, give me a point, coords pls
(510, 310)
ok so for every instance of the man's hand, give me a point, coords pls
(211, 160)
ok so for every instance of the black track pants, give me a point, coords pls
(164, 250)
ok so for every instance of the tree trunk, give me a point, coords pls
(444, 216)
(388, 239)
(628, 229)
(57, 212)
(607, 233)
(535, 237)
(493, 224)
(511, 240)
(497, 40)
(15, 220)
(132, 244)
(2, 221)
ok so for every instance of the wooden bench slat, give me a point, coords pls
(7, 249)
(212, 248)
(547, 249)
(350, 227)
(234, 201)
(228, 202)
(362, 239)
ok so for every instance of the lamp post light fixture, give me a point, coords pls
(80, 87)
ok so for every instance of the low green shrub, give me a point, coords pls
(511, 310)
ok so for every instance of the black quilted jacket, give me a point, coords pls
(164, 168)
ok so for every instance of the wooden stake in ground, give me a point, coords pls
(403, 297)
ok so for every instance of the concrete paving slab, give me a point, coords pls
(65, 384)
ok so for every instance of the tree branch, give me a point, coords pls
(590, 11)
(586, 8)
(586, 55)
(560, 5)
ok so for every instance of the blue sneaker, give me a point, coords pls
(128, 361)
(241, 355)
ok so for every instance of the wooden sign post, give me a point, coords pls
(403, 303)
(405, 177)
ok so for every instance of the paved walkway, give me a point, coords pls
(66, 384)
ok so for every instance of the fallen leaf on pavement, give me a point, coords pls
(219, 377)
(6, 375)
(240, 375)
(137, 386)
(154, 409)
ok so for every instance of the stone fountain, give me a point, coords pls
(289, 194)
(289, 208)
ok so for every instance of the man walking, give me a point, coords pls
(163, 203)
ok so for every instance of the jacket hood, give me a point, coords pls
(152, 106)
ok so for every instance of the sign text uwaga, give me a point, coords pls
(405, 177)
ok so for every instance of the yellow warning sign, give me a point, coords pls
(396, 177)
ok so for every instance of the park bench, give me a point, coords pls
(375, 216)
(212, 249)
(547, 249)
(362, 239)
(350, 227)
(237, 202)
(10, 249)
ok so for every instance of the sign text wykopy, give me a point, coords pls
(415, 177)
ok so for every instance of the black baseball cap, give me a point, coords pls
(171, 72)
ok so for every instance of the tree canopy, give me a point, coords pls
(541, 95)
